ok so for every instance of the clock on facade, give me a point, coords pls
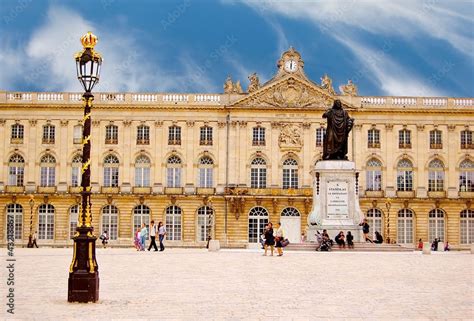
(291, 65)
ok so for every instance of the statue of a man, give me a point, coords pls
(338, 128)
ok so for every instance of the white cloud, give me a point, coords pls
(47, 59)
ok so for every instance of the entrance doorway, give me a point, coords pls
(258, 218)
(291, 222)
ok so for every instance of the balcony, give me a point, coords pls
(173, 190)
(469, 195)
(205, 191)
(111, 141)
(141, 190)
(174, 141)
(467, 146)
(143, 141)
(436, 194)
(48, 141)
(109, 190)
(16, 141)
(258, 143)
(15, 189)
(404, 145)
(75, 189)
(374, 193)
(47, 189)
(406, 194)
(205, 142)
(436, 146)
(373, 145)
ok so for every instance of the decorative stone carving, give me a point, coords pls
(326, 84)
(290, 136)
(64, 123)
(254, 83)
(350, 89)
(389, 126)
(242, 123)
(96, 123)
(420, 127)
(190, 123)
(221, 124)
(127, 123)
(231, 87)
(306, 125)
(158, 123)
(33, 122)
(2, 122)
(451, 128)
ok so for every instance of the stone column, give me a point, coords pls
(125, 142)
(33, 135)
(158, 143)
(421, 147)
(63, 155)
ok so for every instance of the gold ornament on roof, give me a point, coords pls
(89, 40)
(326, 83)
(350, 89)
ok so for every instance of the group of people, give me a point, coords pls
(142, 234)
(273, 239)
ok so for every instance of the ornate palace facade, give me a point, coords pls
(225, 164)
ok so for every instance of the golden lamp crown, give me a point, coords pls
(89, 40)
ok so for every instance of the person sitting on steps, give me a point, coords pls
(378, 238)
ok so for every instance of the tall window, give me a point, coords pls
(258, 136)
(110, 221)
(436, 225)
(143, 135)
(205, 137)
(405, 226)
(173, 171)
(374, 219)
(17, 134)
(46, 222)
(404, 138)
(48, 171)
(48, 134)
(404, 175)
(73, 219)
(141, 214)
(258, 218)
(16, 170)
(206, 168)
(173, 222)
(142, 171)
(320, 132)
(111, 134)
(466, 139)
(374, 175)
(466, 176)
(467, 226)
(290, 173)
(205, 214)
(77, 134)
(436, 176)
(436, 139)
(15, 216)
(76, 174)
(111, 171)
(373, 138)
(174, 135)
(258, 173)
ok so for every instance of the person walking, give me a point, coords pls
(153, 236)
(161, 235)
(35, 236)
(137, 241)
(350, 240)
(279, 237)
(365, 230)
(143, 237)
(104, 237)
(269, 239)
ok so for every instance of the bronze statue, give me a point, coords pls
(338, 128)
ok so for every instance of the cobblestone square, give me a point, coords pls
(192, 284)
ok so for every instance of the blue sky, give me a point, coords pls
(404, 47)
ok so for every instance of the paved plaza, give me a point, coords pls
(193, 284)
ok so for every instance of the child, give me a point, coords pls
(137, 242)
(104, 237)
(420, 245)
(350, 240)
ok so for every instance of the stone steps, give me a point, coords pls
(358, 247)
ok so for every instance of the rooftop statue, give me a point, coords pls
(254, 83)
(231, 87)
(337, 132)
(350, 89)
(326, 83)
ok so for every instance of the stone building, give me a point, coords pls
(225, 164)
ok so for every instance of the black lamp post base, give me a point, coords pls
(30, 242)
(83, 287)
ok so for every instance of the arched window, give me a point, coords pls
(46, 222)
(73, 220)
(374, 175)
(111, 171)
(205, 214)
(373, 138)
(206, 167)
(374, 219)
(173, 222)
(436, 225)
(110, 221)
(173, 169)
(258, 173)
(141, 214)
(405, 226)
(48, 170)
(111, 134)
(466, 176)
(467, 226)
(436, 176)
(142, 171)
(290, 211)
(76, 173)
(16, 170)
(404, 175)
(258, 218)
(320, 132)
(290, 173)
(15, 219)
(143, 135)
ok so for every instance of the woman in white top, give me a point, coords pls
(279, 237)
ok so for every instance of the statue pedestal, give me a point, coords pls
(335, 200)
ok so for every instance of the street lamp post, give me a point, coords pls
(388, 205)
(30, 237)
(83, 283)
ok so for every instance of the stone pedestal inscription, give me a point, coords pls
(337, 200)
